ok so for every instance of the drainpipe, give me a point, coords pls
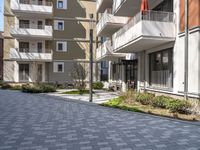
(145, 70)
(186, 52)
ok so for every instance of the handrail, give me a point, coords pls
(43, 3)
(147, 15)
(28, 26)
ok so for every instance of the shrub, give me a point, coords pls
(161, 101)
(6, 86)
(145, 98)
(178, 106)
(16, 87)
(129, 96)
(1, 82)
(98, 85)
(38, 88)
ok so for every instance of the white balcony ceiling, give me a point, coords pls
(143, 43)
(131, 7)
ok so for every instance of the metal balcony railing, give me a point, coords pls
(28, 26)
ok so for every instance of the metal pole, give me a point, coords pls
(186, 52)
(91, 61)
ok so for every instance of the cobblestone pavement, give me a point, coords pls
(41, 122)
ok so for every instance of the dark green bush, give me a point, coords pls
(145, 98)
(178, 106)
(38, 88)
(6, 86)
(1, 82)
(98, 85)
(161, 101)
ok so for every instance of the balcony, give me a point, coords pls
(131, 7)
(25, 31)
(109, 24)
(23, 8)
(105, 52)
(102, 5)
(145, 31)
(29, 56)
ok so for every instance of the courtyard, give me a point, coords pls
(44, 122)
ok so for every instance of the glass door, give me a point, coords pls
(39, 47)
(23, 72)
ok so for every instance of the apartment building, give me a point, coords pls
(44, 38)
(1, 55)
(143, 42)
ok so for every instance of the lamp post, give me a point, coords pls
(186, 52)
(91, 59)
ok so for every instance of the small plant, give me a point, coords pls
(145, 98)
(161, 101)
(98, 85)
(180, 106)
(129, 96)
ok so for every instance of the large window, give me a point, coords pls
(23, 72)
(161, 69)
(104, 71)
(24, 47)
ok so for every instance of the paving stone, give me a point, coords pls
(43, 122)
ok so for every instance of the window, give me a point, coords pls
(61, 46)
(23, 47)
(161, 69)
(58, 25)
(58, 67)
(61, 4)
(25, 24)
(104, 71)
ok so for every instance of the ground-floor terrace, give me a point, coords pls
(160, 69)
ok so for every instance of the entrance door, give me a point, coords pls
(131, 73)
(23, 72)
(39, 73)
(39, 47)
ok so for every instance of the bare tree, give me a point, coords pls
(79, 75)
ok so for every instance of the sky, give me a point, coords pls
(1, 15)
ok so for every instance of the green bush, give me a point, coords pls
(178, 106)
(16, 87)
(116, 101)
(98, 85)
(1, 82)
(38, 88)
(145, 98)
(6, 86)
(161, 101)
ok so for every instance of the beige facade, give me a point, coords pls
(43, 39)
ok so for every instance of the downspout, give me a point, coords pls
(186, 53)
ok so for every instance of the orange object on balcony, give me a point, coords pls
(144, 5)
